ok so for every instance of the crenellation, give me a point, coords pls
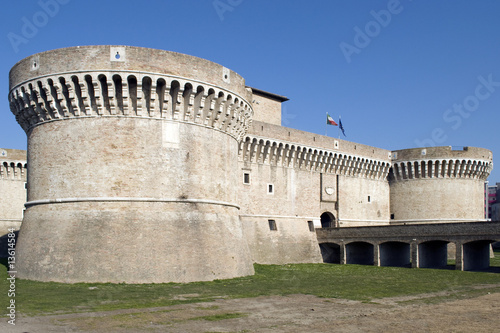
(130, 95)
(420, 169)
(287, 154)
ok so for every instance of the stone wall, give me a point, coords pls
(13, 188)
(267, 106)
(292, 177)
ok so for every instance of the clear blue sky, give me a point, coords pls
(401, 74)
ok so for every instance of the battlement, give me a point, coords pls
(300, 155)
(115, 58)
(441, 162)
(13, 164)
(443, 152)
(57, 93)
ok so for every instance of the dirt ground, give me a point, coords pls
(296, 313)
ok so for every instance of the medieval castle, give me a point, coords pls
(153, 166)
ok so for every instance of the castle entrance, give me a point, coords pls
(328, 220)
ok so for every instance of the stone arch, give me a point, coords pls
(423, 169)
(409, 170)
(433, 254)
(359, 253)
(444, 168)
(436, 167)
(476, 255)
(416, 169)
(391, 176)
(102, 86)
(132, 92)
(395, 254)
(147, 95)
(404, 172)
(330, 253)
(161, 93)
(118, 91)
(328, 220)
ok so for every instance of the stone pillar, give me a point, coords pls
(342, 253)
(376, 254)
(459, 256)
(414, 254)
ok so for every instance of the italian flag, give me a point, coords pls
(330, 121)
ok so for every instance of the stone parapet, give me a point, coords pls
(441, 162)
(12, 164)
(128, 94)
(263, 150)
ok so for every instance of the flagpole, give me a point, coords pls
(339, 127)
(326, 125)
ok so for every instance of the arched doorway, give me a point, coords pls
(327, 220)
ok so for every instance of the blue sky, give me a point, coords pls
(401, 74)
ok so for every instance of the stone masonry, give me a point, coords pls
(152, 166)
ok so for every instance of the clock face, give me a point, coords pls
(3, 153)
(329, 190)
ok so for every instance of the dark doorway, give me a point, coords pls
(327, 220)
(330, 253)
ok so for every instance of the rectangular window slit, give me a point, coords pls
(272, 225)
(311, 225)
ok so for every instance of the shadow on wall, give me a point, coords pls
(4, 244)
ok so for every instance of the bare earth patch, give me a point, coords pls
(296, 313)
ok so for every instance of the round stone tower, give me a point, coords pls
(438, 184)
(132, 161)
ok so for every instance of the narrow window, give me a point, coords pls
(369, 199)
(246, 178)
(272, 225)
(311, 225)
(270, 188)
(392, 216)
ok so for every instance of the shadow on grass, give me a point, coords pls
(3, 261)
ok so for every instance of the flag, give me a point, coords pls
(330, 121)
(341, 127)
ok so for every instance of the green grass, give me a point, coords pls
(495, 262)
(363, 283)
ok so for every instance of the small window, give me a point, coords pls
(270, 188)
(246, 178)
(392, 216)
(272, 225)
(311, 225)
(369, 199)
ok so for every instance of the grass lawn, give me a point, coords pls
(353, 282)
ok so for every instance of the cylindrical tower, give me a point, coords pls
(438, 184)
(132, 161)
